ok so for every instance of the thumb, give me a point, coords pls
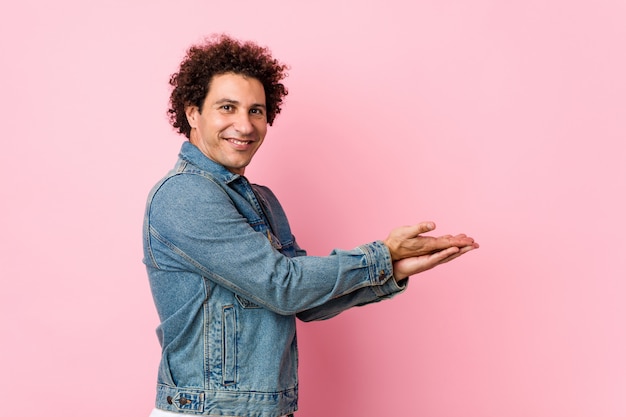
(424, 227)
(413, 231)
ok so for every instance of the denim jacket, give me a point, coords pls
(228, 280)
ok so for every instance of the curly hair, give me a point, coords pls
(221, 54)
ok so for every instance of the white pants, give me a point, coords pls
(162, 413)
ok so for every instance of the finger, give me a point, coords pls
(460, 241)
(461, 251)
(442, 255)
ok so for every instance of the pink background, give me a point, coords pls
(504, 120)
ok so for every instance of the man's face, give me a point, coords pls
(233, 121)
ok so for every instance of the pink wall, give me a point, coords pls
(505, 120)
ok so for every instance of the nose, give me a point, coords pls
(243, 125)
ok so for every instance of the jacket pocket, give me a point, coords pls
(229, 345)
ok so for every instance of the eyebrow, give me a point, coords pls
(235, 102)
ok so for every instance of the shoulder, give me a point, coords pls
(189, 182)
(185, 193)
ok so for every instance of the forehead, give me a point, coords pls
(236, 87)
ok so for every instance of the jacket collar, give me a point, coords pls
(190, 153)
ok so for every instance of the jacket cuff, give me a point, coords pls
(380, 266)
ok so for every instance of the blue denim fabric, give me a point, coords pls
(228, 280)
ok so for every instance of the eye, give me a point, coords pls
(256, 111)
(226, 107)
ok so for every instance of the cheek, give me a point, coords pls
(261, 129)
(211, 127)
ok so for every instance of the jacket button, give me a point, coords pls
(169, 399)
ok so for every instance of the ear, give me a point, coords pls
(192, 114)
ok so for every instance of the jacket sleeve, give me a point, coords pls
(200, 230)
(357, 298)
(360, 297)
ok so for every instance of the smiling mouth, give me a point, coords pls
(239, 142)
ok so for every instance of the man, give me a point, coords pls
(227, 276)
